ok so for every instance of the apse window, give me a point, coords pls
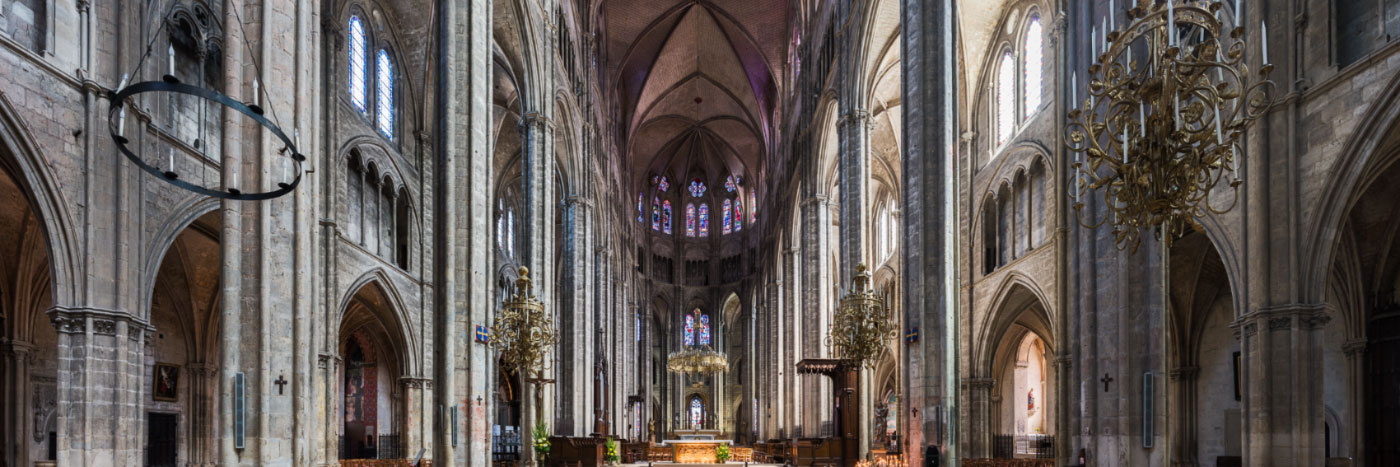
(690, 220)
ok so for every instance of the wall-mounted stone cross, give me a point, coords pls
(1106, 379)
(281, 384)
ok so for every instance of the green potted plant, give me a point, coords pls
(610, 452)
(541, 442)
(722, 453)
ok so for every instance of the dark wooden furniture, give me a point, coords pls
(580, 452)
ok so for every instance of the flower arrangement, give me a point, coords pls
(722, 453)
(541, 441)
(610, 451)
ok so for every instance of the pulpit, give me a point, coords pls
(845, 402)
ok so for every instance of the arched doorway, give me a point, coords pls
(1361, 343)
(1206, 389)
(372, 405)
(1018, 395)
(181, 387)
(28, 342)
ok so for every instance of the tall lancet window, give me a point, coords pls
(690, 220)
(704, 220)
(357, 62)
(655, 213)
(384, 103)
(697, 412)
(1006, 98)
(666, 216)
(739, 214)
(728, 217)
(688, 337)
(641, 212)
(1033, 55)
(704, 338)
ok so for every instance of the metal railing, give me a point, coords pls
(1023, 446)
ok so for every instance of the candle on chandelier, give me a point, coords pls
(1111, 22)
(1171, 24)
(1094, 43)
(172, 159)
(1219, 136)
(1142, 119)
(257, 98)
(1074, 88)
(171, 51)
(1125, 142)
(1264, 40)
(121, 116)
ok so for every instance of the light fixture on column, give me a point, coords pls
(863, 324)
(1157, 134)
(523, 332)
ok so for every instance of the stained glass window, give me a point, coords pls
(738, 214)
(689, 335)
(704, 329)
(697, 188)
(1006, 103)
(384, 105)
(1032, 55)
(640, 210)
(731, 183)
(666, 216)
(661, 183)
(690, 220)
(728, 217)
(357, 62)
(697, 412)
(655, 213)
(704, 215)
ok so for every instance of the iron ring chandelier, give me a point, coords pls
(170, 84)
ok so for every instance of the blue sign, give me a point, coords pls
(913, 335)
(483, 336)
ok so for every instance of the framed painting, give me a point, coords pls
(166, 383)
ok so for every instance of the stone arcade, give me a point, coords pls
(682, 178)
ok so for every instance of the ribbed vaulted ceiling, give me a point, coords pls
(696, 83)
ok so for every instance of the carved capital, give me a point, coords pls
(536, 119)
(66, 324)
(1250, 329)
(1280, 323)
(1354, 347)
(323, 361)
(1314, 321)
(104, 327)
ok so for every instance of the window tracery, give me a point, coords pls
(690, 220)
(704, 220)
(1006, 103)
(728, 217)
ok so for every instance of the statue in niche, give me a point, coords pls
(882, 414)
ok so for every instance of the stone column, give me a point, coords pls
(928, 251)
(15, 360)
(200, 422)
(1183, 415)
(576, 322)
(980, 416)
(99, 387)
(816, 284)
(463, 244)
(792, 333)
(1282, 366)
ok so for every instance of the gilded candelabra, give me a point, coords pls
(863, 323)
(523, 332)
(1156, 135)
(697, 360)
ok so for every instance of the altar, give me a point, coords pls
(695, 448)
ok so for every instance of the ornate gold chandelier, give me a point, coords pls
(700, 360)
(863, 323)
(1158, 135)
(524, 333)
